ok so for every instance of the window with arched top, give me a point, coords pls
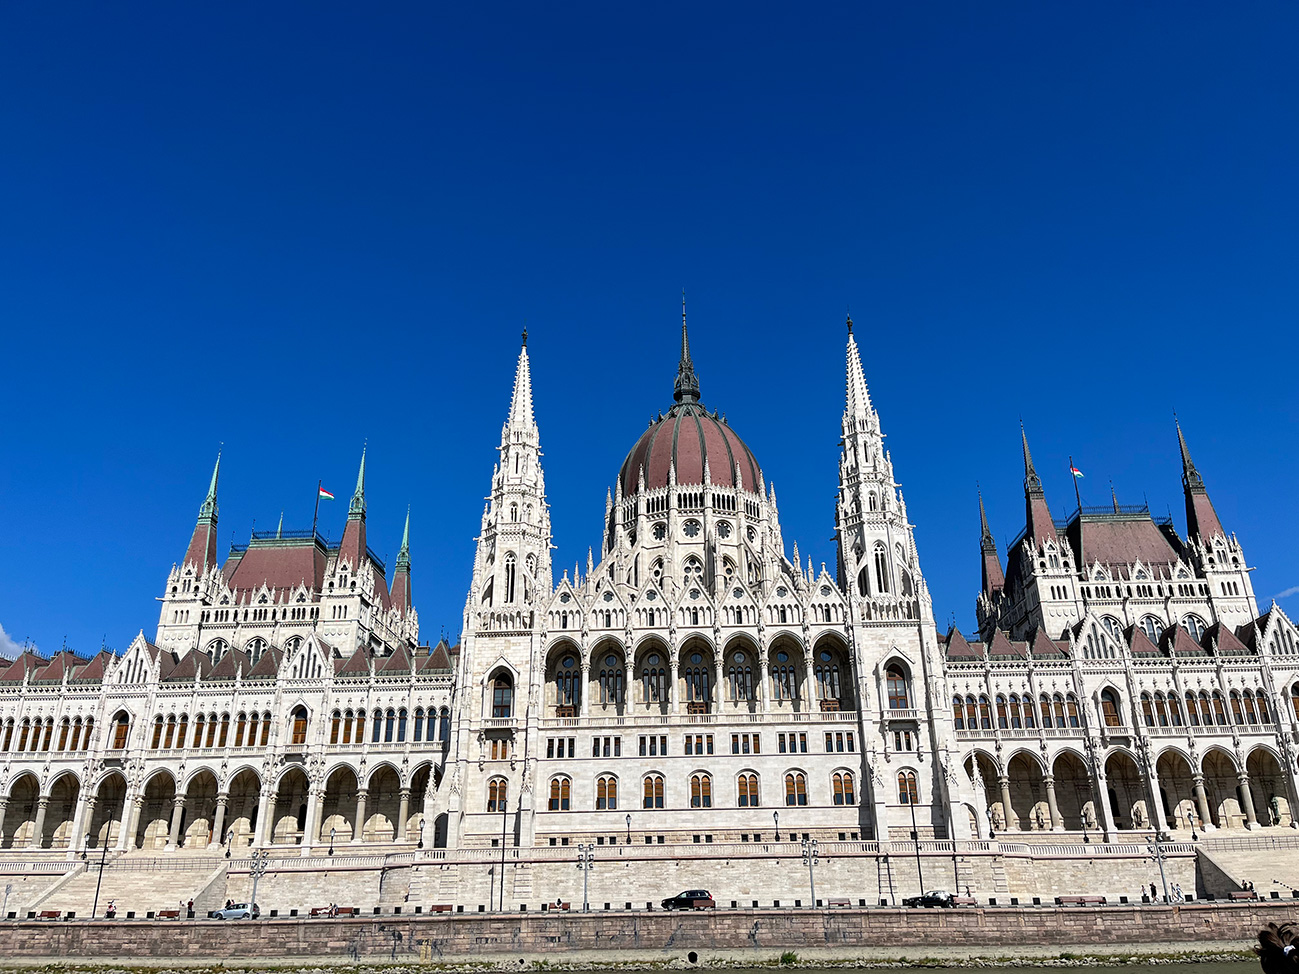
(1003, 715)
(985, 715)
(560, 794)
(1219, 710)
(844, 793)
(606, 793)
(568, 678)
(795, 788)
(652, 791)
(701, 791)
(908, 789)
(958, 712)
(502, 696)
(896, 683)
(1147, 710)
(746, 786)
(497, 794)
(1110, 708)
(1152, 627)
(510, 572)
(1264, 717)
(1195, 626)
(611, 680)
(881, 559)
(299, 726)
(121, 730)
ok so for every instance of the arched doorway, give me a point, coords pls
(383, 807)
(244, 793)
(200, 812)
(105, 825)
(1127, 792)
(153, 829)
(1268, 786)
(741, 677)
(1073, 792)
(61, 812)
(290, 820)
(20, 815)
(1177, 790)
(1030, 810)
(607, 682)
(1221, 784)
(338, 813)
(653, 692)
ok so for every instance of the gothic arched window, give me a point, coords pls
(881, 569)
(510, 571)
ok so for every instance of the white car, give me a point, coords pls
(236, 911)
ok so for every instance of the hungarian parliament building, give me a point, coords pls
(695, 683)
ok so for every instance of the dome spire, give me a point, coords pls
(686, 388)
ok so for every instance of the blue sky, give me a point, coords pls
(293, 228)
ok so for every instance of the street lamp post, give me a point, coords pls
(629, 828)
(1156, 850)
(230, 838)
(1190, 814)
(915, 837)
(420, 844)
(103, 856)
(332, 832)
(776, 816)
(585, 862)
(257, 867)
(809, 858)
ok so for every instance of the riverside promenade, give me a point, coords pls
(689, 938)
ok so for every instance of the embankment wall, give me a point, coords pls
(613, 936)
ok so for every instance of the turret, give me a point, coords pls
(994, 580)
(1037, 516)
(352, 549)
(401, 572)
(1201, 519)
(202, 552)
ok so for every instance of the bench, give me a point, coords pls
(1245, 894)
(963, 901)
(168, 914)
(50, 915)
(345, 911)
(440, 908)
(1080, 900)
(838, 903)
(319, 911)
(560, 906)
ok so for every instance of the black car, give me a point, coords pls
(935, 897)
(691, 899)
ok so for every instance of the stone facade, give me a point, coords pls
(693, 685)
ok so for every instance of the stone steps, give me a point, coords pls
(138, 890)
(1267, 869)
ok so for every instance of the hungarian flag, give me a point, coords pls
(1075, 471)
(329, 497)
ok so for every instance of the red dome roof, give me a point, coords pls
(688, 435)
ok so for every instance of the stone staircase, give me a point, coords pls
(139, 884)
(1221, 871)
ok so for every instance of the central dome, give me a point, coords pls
(689, 437)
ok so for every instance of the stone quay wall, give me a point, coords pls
(693, 937)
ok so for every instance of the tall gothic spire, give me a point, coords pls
(994, 579)
(859, 400)
(1037, 515)
(202, 544)
(521, 398)
(686, 388)
(357, 507)
(1201, 519)
(401, 572)
(403, 553)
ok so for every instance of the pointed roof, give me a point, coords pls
(192, 664)
(268, 667)
(858, 402)
(439, 659)
(352, 548)
(686, 388)
(358, 664)
(203, 543)
(1000, 647)
(1201, 519)
(398, 662)
(401, 573)
(958, 648)
(1141, 644)
(95, 669)
(1228, 644)
(61, 662)
(521, 416)
(1038, 523)
(994, 579)
(1043, 646)
(231, 664)
(1181, 643)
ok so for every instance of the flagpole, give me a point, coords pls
(316, 513)
(1074, 477)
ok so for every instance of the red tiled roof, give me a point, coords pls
(280, 566)
(1000, 647)
(1228, 644)
(268, 667)
(1122, 541)
(1141, 644)
(192, 664)
(1043, 647)
(18, 669)
(958, 647)
(94, 669)
(1182, 644)
(229, 665)
(398, 662)
(358, 664)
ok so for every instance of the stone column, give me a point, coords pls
(219, 822)
(259, 829)
(1157, 817)
(38, 833)
(809, 684)
(359, 827)
(177, 809)
(1057, 820)
(267, 827)
(1102, 793)
(403, 811)
(81, 822)
(583, 698)
(311, 827)
(719, 687)
(4, 807)
(1006, 810)
(130, 817)
(764, 690)
(1202, 804)
(673, 677)
(1247, 795)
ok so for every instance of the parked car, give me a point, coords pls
(236, 911)
(691, 899)
(935, 897)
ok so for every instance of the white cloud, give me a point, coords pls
(1293, 590)
(8, 647)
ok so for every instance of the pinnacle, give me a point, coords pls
(858, 404)
(521, 398)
